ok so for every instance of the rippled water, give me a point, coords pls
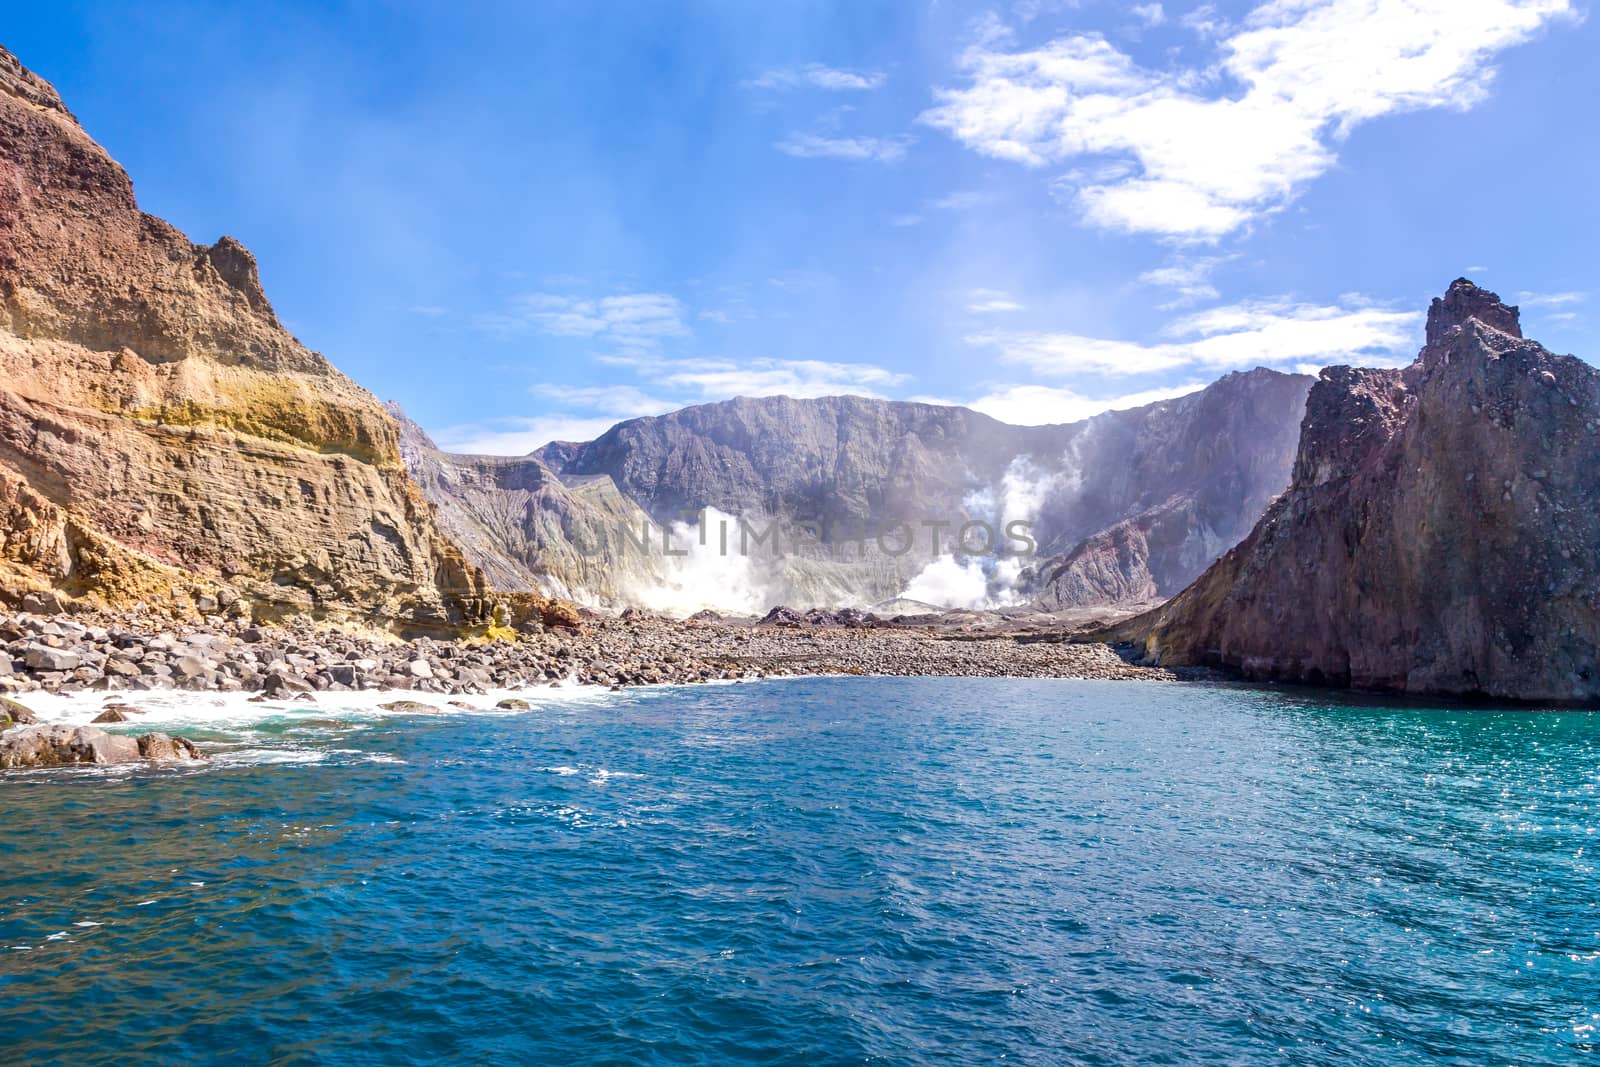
(822, 871)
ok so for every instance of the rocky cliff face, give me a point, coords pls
(1187, 477)
(1440, 535)
(525, 527)
(162, 437)
(1167, 488)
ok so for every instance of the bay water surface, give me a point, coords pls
(819, 871)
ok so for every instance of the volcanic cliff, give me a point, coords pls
(1440, 536)
(1177, 482)
(163, 439)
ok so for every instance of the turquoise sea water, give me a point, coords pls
(820, 872)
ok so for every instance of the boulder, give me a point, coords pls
(56, 746)
(160, 746)
(192, 666)
(409, 707)
(285, 682)
(342, 674)
(44, 658)
(14, 714)
(783, 616)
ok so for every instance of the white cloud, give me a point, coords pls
(1028, 10)
(519, 436)
(1040, 405)
(802, 280)
(1149, 14)
(617, 402)
(1550, 300)
(1209, 149)
(817, 146)
(722, 379)
(1237, 335)
(1205, 21)
(817, 76)
(628, 319)
(963, 200)
(430, 311)
(989, 301)
(1188, 278)
(906, 220)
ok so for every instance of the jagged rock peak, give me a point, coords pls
(236, 265)
(1463, 301)
(1439, 535)
(22, 83)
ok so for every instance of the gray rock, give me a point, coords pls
(409, 707)
(44, 658)
(281, 681)
(123, 668)
(192, 666)
(159, 746)
(342, 674)
(420, 668)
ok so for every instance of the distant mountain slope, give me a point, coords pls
(1209, 462)
(526, 528)
(163, 439)
(1440, 535)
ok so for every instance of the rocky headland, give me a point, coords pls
(164, 441)
(1440, 535)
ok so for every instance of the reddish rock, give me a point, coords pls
(1440, 535)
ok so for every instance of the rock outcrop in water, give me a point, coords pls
(1179, 481)
(1441, 535)
(163, 439)
(70, 746)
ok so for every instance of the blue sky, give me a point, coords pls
(524, 221)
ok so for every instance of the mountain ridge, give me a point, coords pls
(1213, 457)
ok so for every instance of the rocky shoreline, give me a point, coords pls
(128, 654)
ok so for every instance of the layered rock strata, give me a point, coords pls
(163, 439)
